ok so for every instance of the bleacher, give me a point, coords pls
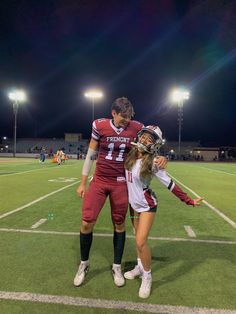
(34, 145)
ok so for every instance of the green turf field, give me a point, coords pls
(193, 272)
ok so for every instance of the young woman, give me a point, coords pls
(140, 169)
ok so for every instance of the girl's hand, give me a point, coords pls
(160, 162)
(197, 201)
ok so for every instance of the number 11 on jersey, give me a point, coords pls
(120, 156)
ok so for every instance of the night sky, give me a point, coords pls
(56, 49)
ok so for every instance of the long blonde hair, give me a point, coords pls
(146, 166)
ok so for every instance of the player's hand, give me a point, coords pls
(160, 162)
(197, 201)
(81, 190)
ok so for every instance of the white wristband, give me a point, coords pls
(88, 163)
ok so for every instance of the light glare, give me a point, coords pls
(179, 95)
(93, 94)
(17, 95)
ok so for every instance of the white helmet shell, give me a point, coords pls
(156, 133)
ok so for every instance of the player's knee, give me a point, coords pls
(86, 227)
(140, 244)
(119, 227)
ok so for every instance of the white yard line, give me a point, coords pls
(226, 218)
(217, 211)
(109, 304)
(110, 235)
(15, 173)
(221, 171)
(190, 231)
(38, 169)
(37, 200)
(38, 223)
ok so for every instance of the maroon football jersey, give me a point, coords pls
(114, 144)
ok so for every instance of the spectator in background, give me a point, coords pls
(42, 155)
(63, 157)
(59, 156)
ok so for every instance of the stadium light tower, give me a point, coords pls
(93, 94)
(16, 96)
(178, 96)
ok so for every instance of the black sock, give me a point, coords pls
(85, 245)
(119, 244)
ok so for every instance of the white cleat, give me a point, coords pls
(145, 288)
(132, 274)
(81, 273)
(118, 277)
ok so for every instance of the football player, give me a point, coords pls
(110, 142)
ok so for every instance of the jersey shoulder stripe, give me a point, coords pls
(97, 126)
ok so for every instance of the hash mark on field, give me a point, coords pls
(109, 304)
(217, 211)
(38, 223)
(190, 231)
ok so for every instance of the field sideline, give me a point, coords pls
(194, 249)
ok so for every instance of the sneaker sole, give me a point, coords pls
(144, 297)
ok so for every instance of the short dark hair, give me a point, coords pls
(123, 105)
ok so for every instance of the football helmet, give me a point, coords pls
(156, 134)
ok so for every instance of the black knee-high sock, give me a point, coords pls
(85, 245)
(119, 244)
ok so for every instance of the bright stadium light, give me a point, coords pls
(178, 96)
(16, 96)
(93, 94)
